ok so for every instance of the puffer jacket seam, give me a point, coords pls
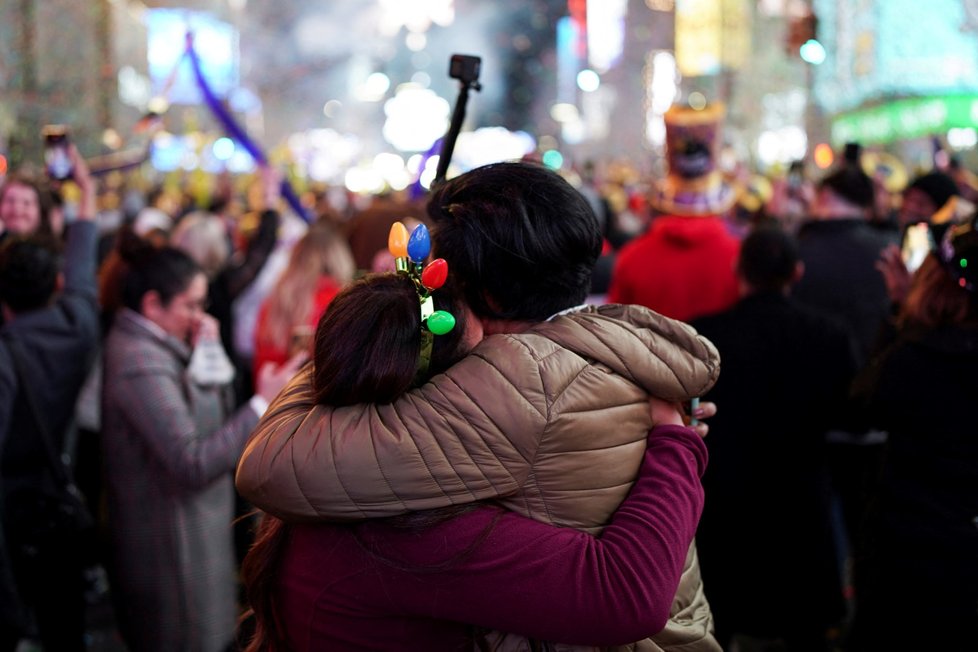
(613, 351)
(383, 469)
(339, 476)
(546, 429)
(448, 457)
(547, 421)
(690, 346)
(710, 357)
(445, 455)
(645, 345)
(549, 403)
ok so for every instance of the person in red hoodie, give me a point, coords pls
(683, 266)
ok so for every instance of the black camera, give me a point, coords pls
(464, 68)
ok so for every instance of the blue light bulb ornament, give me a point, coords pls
(419, 244)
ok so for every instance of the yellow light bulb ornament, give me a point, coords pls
(397, 241)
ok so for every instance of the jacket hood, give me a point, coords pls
(663, 356)
(689, 232)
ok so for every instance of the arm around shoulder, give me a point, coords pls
(466, 435)
(558, 584)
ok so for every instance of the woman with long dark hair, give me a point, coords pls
(437, 579)
(917, 577)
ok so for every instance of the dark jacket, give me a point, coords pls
(58, 344)
(841, 278)
(922, 549)
(240, 272)
(765, 529)
(232, 281)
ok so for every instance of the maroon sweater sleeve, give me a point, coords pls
(565, 586)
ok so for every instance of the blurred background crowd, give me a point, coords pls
(791, 177)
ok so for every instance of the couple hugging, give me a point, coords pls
(529, 485)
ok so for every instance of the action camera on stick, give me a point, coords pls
(464, 68)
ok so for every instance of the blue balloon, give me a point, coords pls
(419, 244)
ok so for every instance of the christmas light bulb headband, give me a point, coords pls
(959, 253)
(409, 256)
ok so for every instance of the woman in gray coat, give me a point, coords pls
(169, 443)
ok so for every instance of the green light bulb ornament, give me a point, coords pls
(440, 322)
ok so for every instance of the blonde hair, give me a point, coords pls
(935, 299)
(321, 252)
(202, 237)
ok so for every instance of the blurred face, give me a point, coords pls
(917, 207)
(181, 317)
(20, 210)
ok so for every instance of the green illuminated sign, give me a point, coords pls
(906, 119)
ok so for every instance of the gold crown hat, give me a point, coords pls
(885, 169)
(754, 193)
(694, 185)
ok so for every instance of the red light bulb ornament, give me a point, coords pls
(433, 277)
(435, 274)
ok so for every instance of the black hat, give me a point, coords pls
(852, 184)
(936, 185)
(959, 253)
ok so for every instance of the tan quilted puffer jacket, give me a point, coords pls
(551, 423)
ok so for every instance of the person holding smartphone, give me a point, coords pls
(47, 344)
(25, 203)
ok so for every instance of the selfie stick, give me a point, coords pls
(467, 80)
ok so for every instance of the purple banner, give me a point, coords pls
(235, 131)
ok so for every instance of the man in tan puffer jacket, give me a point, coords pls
(549, 420)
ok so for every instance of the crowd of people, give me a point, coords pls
(253, 425)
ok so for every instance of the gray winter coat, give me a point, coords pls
(169, 447)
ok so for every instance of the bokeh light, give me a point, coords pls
(553, 159)
(588, 81)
